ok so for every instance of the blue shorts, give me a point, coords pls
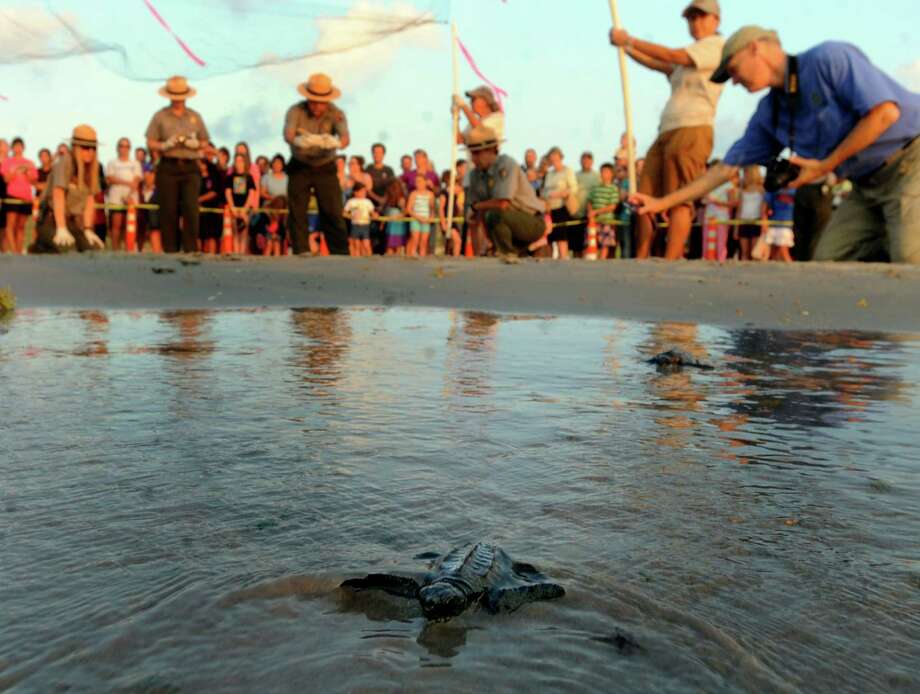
(312, 221)
(361, 232)
(417, 227)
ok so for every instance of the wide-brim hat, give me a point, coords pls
(319, 88)
(704, 6)
(480, 138)
(84, 136)
(485, 93)
(736, 43)
(177, 89)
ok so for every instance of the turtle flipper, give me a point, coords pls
(401, 586)
(511, 598)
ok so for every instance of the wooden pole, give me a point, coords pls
(627, 104)
(455, 128)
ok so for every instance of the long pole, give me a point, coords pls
(455, 128)
(627, 104)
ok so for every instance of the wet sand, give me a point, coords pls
(764, 295)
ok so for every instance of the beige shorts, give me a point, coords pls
(675, 159)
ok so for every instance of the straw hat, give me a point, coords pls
(319, 88)
(177, 89)
(480, 138)
(84, 136)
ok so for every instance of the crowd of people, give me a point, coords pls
(852, 120)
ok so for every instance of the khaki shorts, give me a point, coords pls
(675, 159)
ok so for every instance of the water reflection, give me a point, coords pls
(190, 339)
(471, 353)
(812, 379)
(325, 338)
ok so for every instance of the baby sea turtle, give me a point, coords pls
(481, 575)
(676, 359)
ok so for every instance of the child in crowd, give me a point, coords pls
(210, 225)
(240, 197)
(360, 211)
(315, 238)
(720, 204)
(453, 235)
(148, 221)
(393, 205)
(421, 208)
(276, 226)
(19, 174)
(603, 201)
(752, 211)
(780, 239)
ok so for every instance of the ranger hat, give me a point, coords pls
(704, 6)
(484, 92)
(319, 88)
(177, 89)
(480, 138)
(736, 43)
(84, 136)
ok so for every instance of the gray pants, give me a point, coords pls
(512, 230)
(880, 220)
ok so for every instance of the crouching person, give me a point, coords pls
(66, 211)
(501, 197)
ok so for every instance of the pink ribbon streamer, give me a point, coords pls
(165, 25)
(499, 92)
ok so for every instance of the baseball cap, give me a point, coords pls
(706, 6)
(737, 42)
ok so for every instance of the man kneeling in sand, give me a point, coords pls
(501, 197)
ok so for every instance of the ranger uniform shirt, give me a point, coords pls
(165, 123)
(63, 176)
(504, 180)
(332, 122)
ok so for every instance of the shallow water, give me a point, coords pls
(183, 491)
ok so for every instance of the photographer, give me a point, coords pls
(839, 114)
(179, 134)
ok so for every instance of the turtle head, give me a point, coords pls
(441, 601)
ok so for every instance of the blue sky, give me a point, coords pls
(553, 58)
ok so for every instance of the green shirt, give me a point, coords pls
(332, 122)
(601, 196)
(165, 123)
(504, 180)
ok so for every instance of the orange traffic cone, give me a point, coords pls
(226, 234)
(591, 242)
(710, 244)
(468, 247)
(131, 229)
(323, 248)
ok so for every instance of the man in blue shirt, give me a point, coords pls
(838, 113)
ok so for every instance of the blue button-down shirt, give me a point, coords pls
(838, 86)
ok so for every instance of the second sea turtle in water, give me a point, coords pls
(482, 575)
(676, 359)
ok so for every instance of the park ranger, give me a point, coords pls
(315, 129)
(66, 208)
(179, 133)
(501, 197)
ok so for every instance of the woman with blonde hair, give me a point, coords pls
(559, 185)
(66, 210)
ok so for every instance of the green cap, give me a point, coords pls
(738, 41)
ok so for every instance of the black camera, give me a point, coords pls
(780, 173)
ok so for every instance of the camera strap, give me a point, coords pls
(790, 98)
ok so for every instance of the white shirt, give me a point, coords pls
(359, 209)
(129, 170)
(495, 121)
(556, 182)
(693, 97)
